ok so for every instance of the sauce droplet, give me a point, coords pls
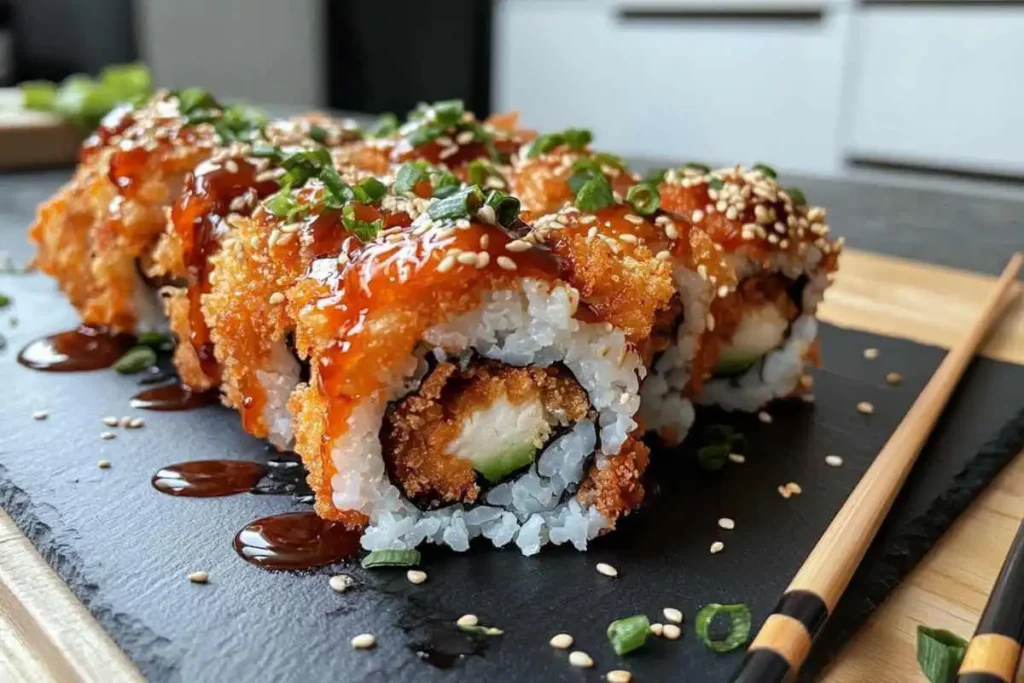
(174, 396)
(78, 350)
(208, 478)
(295, 540)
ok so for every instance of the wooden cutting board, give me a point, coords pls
(32, 139)
(47, 635)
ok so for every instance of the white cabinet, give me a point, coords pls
(939, 87)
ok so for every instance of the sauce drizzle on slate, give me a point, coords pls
(295, 540)
(78, 350)
(208, 478)
(175, 396)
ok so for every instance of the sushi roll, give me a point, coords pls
(458, 389)
(747, 332)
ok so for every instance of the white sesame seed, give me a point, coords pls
(618, 676)
(702, 271)
(340, 583)
(416, 576)
(199, 577)
(580, 659)
(672, 632)
(487, 215)
(727, 523)
(516, 246)
(136, 423)
(364, 641)
(657, 629)
(482, 259)
(717, 547)
(865, 408)
(671, 232)
(709, 322)
(104, 464)
(737, 458)
(628, 238)
(506, 263)
(110, 421)
(663, 255)
(893, 378)
(447, 152)
(673, 615)
(871, 354)
(723, 291)
(465, 137)
(562, 641)
(607, 569)
(764, 417)
(634, 219)
(446, 264)
(833, 460)
(467, 621)
(40, 415)
(697, 216)
(784, 492)
(107, 436)
(467, 258)
(124, 422)
(276, 298)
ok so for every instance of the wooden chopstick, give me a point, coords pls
(994, 651)
(784, 641)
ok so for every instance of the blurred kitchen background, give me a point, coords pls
(923, 89)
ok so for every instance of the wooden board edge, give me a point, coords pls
(46, 634)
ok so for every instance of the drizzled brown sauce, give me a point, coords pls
(295, 540)
(171, 397)
(78, 350)
(209, 478)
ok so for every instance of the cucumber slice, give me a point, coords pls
(497, 466)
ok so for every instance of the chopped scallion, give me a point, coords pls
(373, 190)
(739, 626)
(713, 456)
(364, 230)
(577, 138)
(697, 166)
(135, 360)
(506, 208)
(939, 652)
(767, 170)
(446, 185)
(628, 634)
(158, 341)
(192, 99)
(318, 134)
(410, 174)
(644, 198)
(797, 195)
(385, 125)
(595, 194)
(264, 150)
(448, 112)
(5, 301)
(391, 558)
(461, 204)
(716, 183)
(281, 204)
(656, 176)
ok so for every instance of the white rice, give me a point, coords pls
(530, 325)
(148, 307)
(279, 378)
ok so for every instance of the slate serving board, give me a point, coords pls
(125, 549)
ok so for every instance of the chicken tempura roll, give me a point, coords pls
(749, 329)
(456, 392)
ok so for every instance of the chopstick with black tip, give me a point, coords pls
(784, 641)
(994, 651)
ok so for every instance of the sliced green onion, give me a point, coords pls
(461, 204)
(506, 208)
(385, 125)
(446, 185)
(391, 558)
(656, 176)
(767, 170)
(192, 99)
(577, 138)
(713, 456)
(797, 195)
(263, 150)
(38, 95)
(337, 192)
(716, 183)
(410, 174)
(302, 166)
(373, 189)
(281, 204)
(605, 159)
(595, 194)
(939, 652)
(158, 341)
(644, 198)
(318, 134)
(480, 171)
(364, 230)
(135, 360)
(5, 301)
(448, 112)
(628, 634)
(583, 171)
(542, 145)
(739, 627)
(697, 166)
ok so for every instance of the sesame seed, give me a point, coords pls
(467, 258)
(764, 417)
(727, 523)
(731, 213)
(199, 577)
(276, 298)
(663, 255)
(136, 423)
(607, 569)
(446, 264)
(467, 621)
(737, 458)
(110, 421)
(506, 263)
(482, 259)
(465, 137)
(723, 291)
(40, 415)
(104, 464)
(107, 436)
(672, 632)
(871, 354)
(697, 215)
(580, 659)
(588, 219)
(865, 408)
(893, 378)
(416, 576)
(833, 460)
(124, 422)
(447, 152)
(364, 641)
(709, 322)
(671, 232)
(702, 270)
(340, 583)
(516, 246)
(618, 676)
(628, 238)
(673, 615)
(634, 219)
(487, 215)
(657, 629)
(717, 547)
(784, 492)
(562, 641)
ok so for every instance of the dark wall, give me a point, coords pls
(387, 55)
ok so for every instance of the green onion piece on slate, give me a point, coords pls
(577, 138)
(767, 170)
(595, 194)
(797, 195)
(135, 360)
(318, 133)
(644, 198)
(939, 653)
(5, 301)
(628, 634)
(739, 628)
(158, 341)
(713, 456)
(446, 185)
(482, 630)
(506, 208)
(391, 558)
(364, 230)
(38, 95)
(656, 176)
(374, 190)
(697, 166)
(385, 125)
(462, 204)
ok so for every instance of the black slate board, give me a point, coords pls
(125, 549)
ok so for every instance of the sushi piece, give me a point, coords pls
(748, 330)
(458, 390)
